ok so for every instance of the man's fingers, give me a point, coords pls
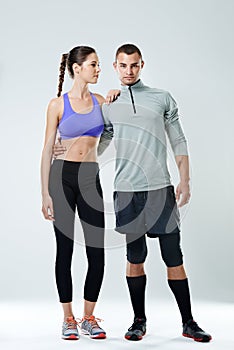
(177, 194)
(58, 150)
(58, 153)
(184, 200)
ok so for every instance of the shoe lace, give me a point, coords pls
(72, 324)
(91, 319)
(194, 326)
(137, 324)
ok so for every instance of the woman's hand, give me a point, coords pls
(112, 95)
(47, 207)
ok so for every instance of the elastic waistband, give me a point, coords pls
(62, 161)
(68, 165)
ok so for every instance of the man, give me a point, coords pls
(144, 199)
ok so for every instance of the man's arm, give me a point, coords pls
(179, 146)
(173, 127)
(183, 189)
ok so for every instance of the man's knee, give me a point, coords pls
(171, 251)
(176, 273)
(137, 251)
(134, 270)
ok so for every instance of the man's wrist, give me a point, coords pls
(185, 181)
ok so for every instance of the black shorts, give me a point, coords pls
(152, 212)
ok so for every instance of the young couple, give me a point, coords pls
(144, 199)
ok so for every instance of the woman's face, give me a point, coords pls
(89, 70)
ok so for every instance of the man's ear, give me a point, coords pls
(115, 65)
(142, 64)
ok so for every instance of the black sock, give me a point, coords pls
(180, 289)
(136, 286)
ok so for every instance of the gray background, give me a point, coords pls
(188, 49)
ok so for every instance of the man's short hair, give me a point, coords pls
(128, 49)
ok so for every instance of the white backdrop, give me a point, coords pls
(188, 49)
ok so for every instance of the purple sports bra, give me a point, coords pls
(74, 124)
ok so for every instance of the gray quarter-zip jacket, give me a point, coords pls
(139, 120)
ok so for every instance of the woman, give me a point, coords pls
(72, 181)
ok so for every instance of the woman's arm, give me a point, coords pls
(50, 134)
(108, 133)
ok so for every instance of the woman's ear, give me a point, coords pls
(76, 68)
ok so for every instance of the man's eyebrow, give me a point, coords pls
(130, 64)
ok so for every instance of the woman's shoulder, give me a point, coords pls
(56, 103)
(100, 98)
(55, 108)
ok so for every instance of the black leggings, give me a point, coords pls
(169, 245)
(77, 185)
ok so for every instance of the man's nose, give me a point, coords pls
(129, 70)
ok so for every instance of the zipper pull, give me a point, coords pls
(133, 104)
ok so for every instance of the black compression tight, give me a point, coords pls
(76, 186)
(94, 277)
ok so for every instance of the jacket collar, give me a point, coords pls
(136, 85)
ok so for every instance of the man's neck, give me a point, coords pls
(132, 83)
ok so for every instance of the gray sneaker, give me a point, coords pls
(69, 329)
(89, 326)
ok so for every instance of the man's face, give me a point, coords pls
(128, 67)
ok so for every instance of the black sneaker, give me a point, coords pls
(137, 330)
(192, 330)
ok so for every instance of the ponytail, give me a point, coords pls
(62, 73)
(77, 55)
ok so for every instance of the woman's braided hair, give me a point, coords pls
(76, 55)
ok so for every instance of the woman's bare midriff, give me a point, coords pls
(81, 149)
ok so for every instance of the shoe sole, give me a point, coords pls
(98, 336)
(134, 337)
(70, 337)
(201, 340)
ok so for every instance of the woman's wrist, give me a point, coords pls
(45, 194)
